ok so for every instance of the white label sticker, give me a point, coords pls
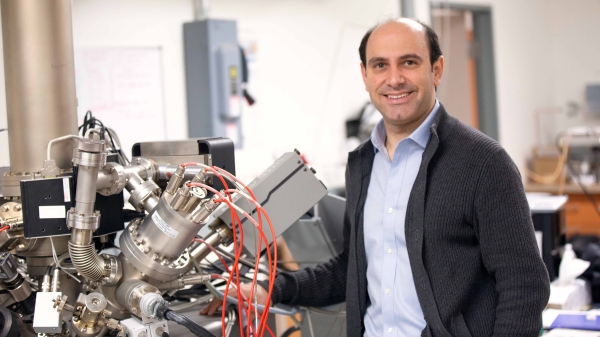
(163, 226)
(53, 212)
(67, 189)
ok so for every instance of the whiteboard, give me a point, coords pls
(123, 87)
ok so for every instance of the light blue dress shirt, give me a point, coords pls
(395, 309)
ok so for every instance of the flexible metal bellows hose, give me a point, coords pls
(86, 261)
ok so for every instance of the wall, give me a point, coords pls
(306, 77)
(523, 81)
(455, 89)
(574, 56)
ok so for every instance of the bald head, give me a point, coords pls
(428, 34)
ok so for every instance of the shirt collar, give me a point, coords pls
(419, 136)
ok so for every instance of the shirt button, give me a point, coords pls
(390, 330)
(390, 251)
(390, 210)
(387, 291)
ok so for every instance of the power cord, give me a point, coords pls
(170, 315)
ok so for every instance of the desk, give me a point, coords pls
(581, 218)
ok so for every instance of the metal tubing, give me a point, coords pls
(136, 170)
(184, 281)
(133, 182)
(40, 81)
(81, 236)
(151, 202)
(164, 170)
(105, 180)
(201, 251)
(85, 196)
(86, 261)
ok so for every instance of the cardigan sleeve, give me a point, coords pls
(509, 249)
(317, 286)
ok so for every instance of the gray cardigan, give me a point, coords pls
(470, 240)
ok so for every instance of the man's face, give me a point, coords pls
(399, 76)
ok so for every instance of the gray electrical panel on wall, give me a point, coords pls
(213, 79)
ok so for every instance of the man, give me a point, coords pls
(438, 235)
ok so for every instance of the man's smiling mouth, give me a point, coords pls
(398, 96)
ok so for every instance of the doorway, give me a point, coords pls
(468, 89)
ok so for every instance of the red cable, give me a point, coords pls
(4, 228)
(271, 264)
(271, 273)
(216, 253)
(269, 258)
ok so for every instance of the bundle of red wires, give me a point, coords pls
(245, 305)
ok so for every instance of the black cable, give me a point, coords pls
(194, 327)
(290, 331)
(120, 151)
(170, 315)
(165, 334)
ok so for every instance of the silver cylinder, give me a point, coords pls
(130, 293)
(95, 303)
(168, 233)
(180, 198)
(202, 212)
(165, 170)
(46, 280)
(85, 196)
(199, 253)
(175, 180)
(197, 194)
(56, 280)
(40, 81)
(18, 288)
(81, 236)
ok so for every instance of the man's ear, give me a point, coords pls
(363, 71)
(438, 71)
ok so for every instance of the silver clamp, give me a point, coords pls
(142, 193)
(118, 177)
(89, 159)
(90, 153)
(111, 270)
(83, 221)
(149, 167)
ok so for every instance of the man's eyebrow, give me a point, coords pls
(410, 56)
(376, 60)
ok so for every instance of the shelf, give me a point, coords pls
(569, 188)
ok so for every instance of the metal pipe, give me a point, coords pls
(85, 196)
(184, 281)
(83, 220)
(105, 180)
(39, 74)
(86, 261)
(81, 236)
(166, 170)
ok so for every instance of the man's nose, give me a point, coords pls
(395, 77)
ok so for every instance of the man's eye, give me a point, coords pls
(379, 65)
(410, 63)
